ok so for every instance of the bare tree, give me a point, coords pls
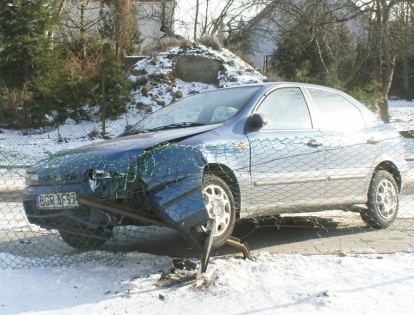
(385, 41)
(324, 32)
(379, 34)
(404, 22)
(156, 21)
(209, 17)
(125, 27)
(197, 8)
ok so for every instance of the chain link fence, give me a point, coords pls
(84, 206)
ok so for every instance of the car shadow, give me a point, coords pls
(296, 234)
(290, 235)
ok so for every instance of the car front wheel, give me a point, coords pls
(220, 206)
(383, 201)
(81, 241)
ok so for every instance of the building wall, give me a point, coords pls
(148, 18)
(263, 31)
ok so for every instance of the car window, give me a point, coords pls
(286, 108)
(222, 113)
(335, 111)
(201, 109)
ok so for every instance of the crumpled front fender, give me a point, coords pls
(173, 175)
(181, 206)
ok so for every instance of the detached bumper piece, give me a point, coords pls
(113, 207)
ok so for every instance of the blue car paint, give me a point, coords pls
(177, 169)
(170, 163)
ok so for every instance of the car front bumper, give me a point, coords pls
(179, 204)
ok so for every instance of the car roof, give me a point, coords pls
(298, 84)
(270, 85)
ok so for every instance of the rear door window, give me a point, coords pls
(335, 111)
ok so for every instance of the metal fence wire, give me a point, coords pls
(81, 205)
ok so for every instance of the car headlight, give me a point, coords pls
(31, 179)
(96, 177)
(100, 174)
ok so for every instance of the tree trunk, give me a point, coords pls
(122, 25)
(406, 82)
(60, 7)
(82, 29)
(196, 20)
(389, 75)
(103, 105)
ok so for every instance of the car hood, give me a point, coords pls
(137, 143)
(113, 155)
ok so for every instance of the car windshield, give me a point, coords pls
(201, 109)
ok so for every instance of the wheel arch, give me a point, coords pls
(391, 168)
(226, 174)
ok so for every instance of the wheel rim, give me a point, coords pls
(218, 207)
(387, 199)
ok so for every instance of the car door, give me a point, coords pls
(287, 155)
(351, 147)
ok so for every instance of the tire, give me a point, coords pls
(220, 206)
(81, 241)
(383, 201)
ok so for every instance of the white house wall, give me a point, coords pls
(148, 25)
(147, 18)
(262, 43)
(264, 32)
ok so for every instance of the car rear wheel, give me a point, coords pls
(383, 201)
(81, 241)
(220, 206)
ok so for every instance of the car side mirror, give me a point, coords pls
(256, 122)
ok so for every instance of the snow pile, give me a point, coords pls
(155, 84)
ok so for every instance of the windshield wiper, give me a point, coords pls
(181, 124)
(177, 125)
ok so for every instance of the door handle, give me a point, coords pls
(314, 143)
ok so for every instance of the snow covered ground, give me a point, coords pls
(283, 284)
(270, 284)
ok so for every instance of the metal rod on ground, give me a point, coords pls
(235, 242)
(207, 248)
(208, 245)
(120, 209)
(152, 219)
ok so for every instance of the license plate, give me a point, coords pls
(57, 201)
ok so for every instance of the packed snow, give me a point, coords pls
(268, 284)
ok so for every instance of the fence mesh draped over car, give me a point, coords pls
(98, 208)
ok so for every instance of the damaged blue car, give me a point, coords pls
(254, 150)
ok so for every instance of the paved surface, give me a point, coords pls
(343, 233)
(310, 240)
(299, 236)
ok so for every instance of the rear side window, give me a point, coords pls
(335, 111)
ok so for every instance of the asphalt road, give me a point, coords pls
(319, 233)
(297, 236)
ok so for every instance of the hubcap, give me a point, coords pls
(387, 199)
(218, 207)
